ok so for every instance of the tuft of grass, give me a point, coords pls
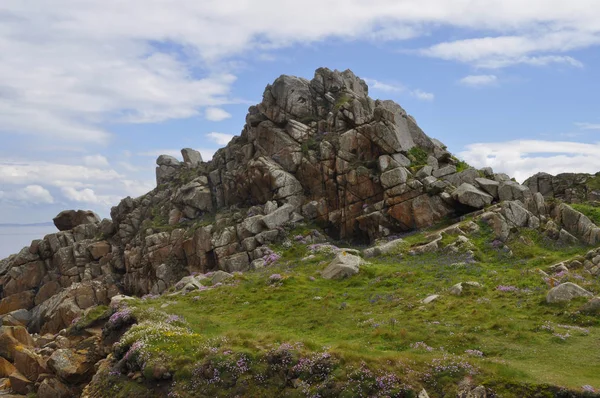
(461, 165)
(418, 156)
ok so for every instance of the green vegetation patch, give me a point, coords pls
(285, 331)
(418, 156)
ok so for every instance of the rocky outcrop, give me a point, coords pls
(313, 151)
(569, 187)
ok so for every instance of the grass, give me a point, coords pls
(461, 165)
(375, 320)
(417, 156)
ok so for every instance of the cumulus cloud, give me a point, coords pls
(478, 80)
(216, 114)
(31, 194)
(523, 158)
(220, 138)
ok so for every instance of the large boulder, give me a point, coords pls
(566, 292)
(70, 366)
(468, 195)
(69, 219)
(30, 364)
(191, 156)
(344, 265)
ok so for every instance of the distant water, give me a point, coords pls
(13, 239)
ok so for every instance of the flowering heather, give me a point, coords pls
(452, 366)
(271, 257)
(576, 328)
(299, 238)
(562, 337)
(175, 318)
(588, 388)
(275, 278)
(318, 366)
(475, 353)
(561, 274)
(420, 345)
(75, 320)
(123, 316)
(505, 288)
(324, 248)
(135, 349)
(150, 296)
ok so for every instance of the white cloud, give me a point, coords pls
(422, 95)
(220, 138)
(31, 194)
(523, 158)
(216, 114)
(478, 80)
(96, 161)
(87, 195)
(98, 184)
(377, 85)
(502, 51)
(588, 126)
(140, 61)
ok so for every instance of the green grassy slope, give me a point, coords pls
(370, 335)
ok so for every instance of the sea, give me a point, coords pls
(14, 238)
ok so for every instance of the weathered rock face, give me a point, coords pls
(69, 219)
(570, 187)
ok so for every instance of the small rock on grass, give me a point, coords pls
(429, 299)
(566, 292)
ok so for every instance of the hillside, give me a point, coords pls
(332, 249)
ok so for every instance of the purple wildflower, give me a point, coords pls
(175, 318)
(506, 288)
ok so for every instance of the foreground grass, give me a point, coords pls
(375, 320)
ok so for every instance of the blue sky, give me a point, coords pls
(92, 92)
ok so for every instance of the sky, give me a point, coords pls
(92, 92)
